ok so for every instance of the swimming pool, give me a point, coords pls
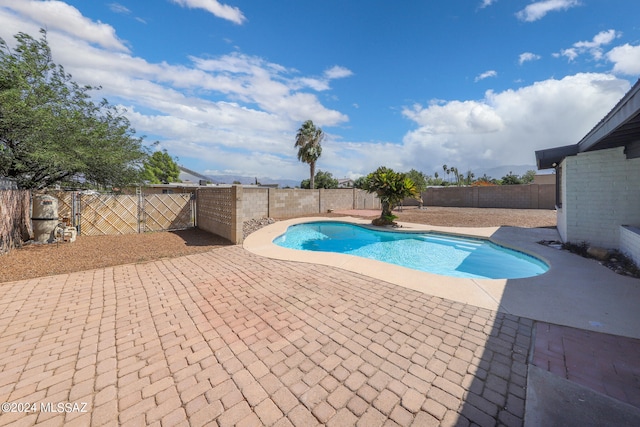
(431, 252)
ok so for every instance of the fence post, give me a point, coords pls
(141, 218)
(194, 206)
(353, 198)
(79, 213)
(268, 202)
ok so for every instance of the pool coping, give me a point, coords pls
(575, 291)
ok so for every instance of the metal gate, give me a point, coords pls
(103, 214)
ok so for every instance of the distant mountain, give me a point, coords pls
(193, 176)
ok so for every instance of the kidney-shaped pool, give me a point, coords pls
(437, 253)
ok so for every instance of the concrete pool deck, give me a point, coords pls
(575, 292)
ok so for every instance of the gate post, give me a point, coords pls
(141, 213)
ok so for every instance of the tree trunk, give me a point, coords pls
(15, 229)
(312, 169)
(386, 210)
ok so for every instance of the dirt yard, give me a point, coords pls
(479, 217)
(90, 252)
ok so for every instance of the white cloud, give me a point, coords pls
(507, 127)
(118, 8)
(123, 10)
(592, 47)
(486, 74)
(61, 17)
(570, 54)
(211, 109)
(455, 117)
(323, 83)
(527, 56)
(271, 86)
(626, 59)
(239, 113)
(223, 11)
(538, 10)
(602, 38)
(503, 128)
(337, 72)
(486, 3)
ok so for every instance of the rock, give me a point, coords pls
(598, 253)
(252, 225)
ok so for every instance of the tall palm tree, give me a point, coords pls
(456, 175)
(470, 176)
(308, 141)
(447, 171)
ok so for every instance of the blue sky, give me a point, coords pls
(224, 85)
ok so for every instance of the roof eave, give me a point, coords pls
(551, 157)
(622, 113)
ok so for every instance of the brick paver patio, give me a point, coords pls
(230, 338)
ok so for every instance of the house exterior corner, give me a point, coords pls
(600, 192)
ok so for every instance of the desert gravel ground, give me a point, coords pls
(479, 217)
(91, 252)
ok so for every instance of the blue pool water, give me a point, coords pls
(431, 252)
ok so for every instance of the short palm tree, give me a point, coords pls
(308, 141)
(391, 188)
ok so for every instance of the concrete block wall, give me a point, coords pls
(219, 211)
(527, 196)
(364, 200)
(630, 242)
(336, 199)
(509, 196)
(292, 202)
(255, 203)
(288, 202)
(602, 192)
(547, 195)
(457, 197)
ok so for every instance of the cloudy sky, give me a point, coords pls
(224, 85)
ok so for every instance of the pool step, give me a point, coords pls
(467, 245)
